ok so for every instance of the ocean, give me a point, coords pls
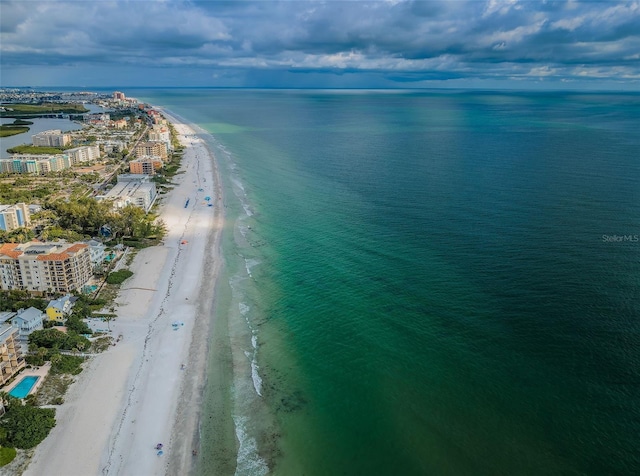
(423, 282)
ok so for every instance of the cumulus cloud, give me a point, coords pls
(475, 39)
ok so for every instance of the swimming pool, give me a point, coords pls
(24, 387)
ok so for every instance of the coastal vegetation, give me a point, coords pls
(18, 299)
(24, 425)
(54, 341)
(7, 455)
(37, 150)
(19, 235)
(18, 127)
(86, 216)
(42, 109)
(118, 277)
(7, 130)
(28, 190)
(67, 364)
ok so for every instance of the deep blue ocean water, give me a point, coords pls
(437, 283)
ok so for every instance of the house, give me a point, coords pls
(59, 309)
(27, 321)
(96, 252)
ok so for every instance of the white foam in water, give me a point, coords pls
(243, 308)
(237, 183)
(248, 461)
(249, 264)
(255, 376)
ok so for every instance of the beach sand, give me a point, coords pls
(136, 394)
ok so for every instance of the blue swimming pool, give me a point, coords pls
(24, 387)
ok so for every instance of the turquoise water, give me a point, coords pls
(24, 387)
(440, 283)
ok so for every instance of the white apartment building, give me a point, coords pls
(86, 153)
(51, 138)
(14, 216)
(34, 164)
(135, 189)
(161, 133)
(44, 267)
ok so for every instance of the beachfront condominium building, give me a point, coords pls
(151, 148)
(132, 189)
(51, 138)
(86, 153)
(145, 165)
(34, 164)
(11, 357)
(47, 267)
(161, 133)
(14, 216)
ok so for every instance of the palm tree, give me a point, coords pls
(55, 358)
(108, 318)
(80, 346)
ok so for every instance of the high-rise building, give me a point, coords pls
(14, 216)
(51, 138)
(84, 153)
(134, 189)
(44, 267)
(11, 359)
(145, 165)
(152, 148)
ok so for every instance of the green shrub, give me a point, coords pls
(78, 325)
(67, 364)
(33, 359)
(118, 277)
(7, 455)
(26, 425)
(54, 339)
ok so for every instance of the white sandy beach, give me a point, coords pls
(136, 394)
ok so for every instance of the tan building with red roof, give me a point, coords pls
(151, 148)
(145, 165)
(44, 267)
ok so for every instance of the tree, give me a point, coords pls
(76, 324)
(26, 425)
(55, 358)
(108, 318)
(56, 340)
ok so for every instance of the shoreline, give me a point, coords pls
(136, 394)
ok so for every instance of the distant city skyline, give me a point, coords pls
(332, 44)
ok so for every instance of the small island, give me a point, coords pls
(19, 126)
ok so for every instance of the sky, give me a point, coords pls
(515, 44)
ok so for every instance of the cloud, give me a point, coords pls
(394, 39)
